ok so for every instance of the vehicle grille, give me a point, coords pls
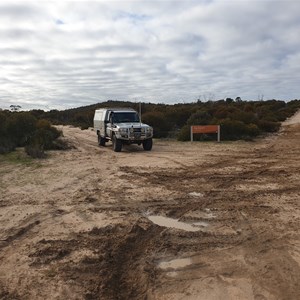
(136, 133)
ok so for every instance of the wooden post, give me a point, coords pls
(219, 133)
(191, 133)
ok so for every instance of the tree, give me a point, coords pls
(15, 107)
(157, 120)
(229, 100)
(199, 118)
(21, 127)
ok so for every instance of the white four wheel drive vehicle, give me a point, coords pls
(121, 126)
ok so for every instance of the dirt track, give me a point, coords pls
(78, 225)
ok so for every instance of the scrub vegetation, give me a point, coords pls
(239, 120)
(23, 129)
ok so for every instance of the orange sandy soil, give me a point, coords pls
(77, 225)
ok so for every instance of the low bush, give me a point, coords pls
(22, 129)
(157, 120)
(6, 145)
(239, 120)
(35, 151)
(268, 126)
(45, 137)
(184, 134)
(62, 144)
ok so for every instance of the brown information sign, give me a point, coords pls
(205, 129)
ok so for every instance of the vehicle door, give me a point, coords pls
(109, 123)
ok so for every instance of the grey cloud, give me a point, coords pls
(17, 10)
(72, 53)
(16, 33)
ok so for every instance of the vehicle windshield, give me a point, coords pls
(125, 117)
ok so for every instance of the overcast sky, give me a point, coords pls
(62, 54)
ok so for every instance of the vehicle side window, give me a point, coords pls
(111, 117)
(107, 118)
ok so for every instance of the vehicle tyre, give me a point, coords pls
(147, 145)
(117, 144)
(101, 140)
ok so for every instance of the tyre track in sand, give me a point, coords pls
(94, 239)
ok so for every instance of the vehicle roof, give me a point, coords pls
(117, 109)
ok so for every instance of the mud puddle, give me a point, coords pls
(201, 224)
(195, 194)
(175, 263)
(173, 223)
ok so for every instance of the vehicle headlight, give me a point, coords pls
(149, 129)
(123, 130)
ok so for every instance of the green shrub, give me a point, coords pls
(35, 151)
(284, 113)
(268, 126)
(200, 117)
(221, 113)
(3, 124)
(245, 117)
(233, 129)
(157, 120)
(6, 145)
(20, 127)
(44, 137)
(42, 123)
(252, 130)
(184, 133)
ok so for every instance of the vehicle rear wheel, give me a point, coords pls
(117, 144)
(147, 145)
(101, 140)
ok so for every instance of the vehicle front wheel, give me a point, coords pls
(117, 144)
(147, 145)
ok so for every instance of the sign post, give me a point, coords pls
(206, 129)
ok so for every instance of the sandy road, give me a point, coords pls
(82, 224)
